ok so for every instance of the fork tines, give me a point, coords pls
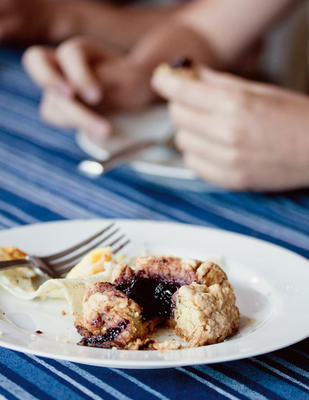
(65, 260)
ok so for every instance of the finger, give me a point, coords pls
(41, 64)
(222, 79)
(240, 87)
(213, 173)
(75, 58)
(67, 112)
(207, 124)
(195, 93)
(214, 152)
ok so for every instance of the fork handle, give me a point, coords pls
(126, 153)
(14, 263)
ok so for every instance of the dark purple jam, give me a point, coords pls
(183, 62)
(153, 295)
(110, 335)
(38, 332)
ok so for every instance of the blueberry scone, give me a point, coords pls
(193, 296)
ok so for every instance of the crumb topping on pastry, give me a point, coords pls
(193, 296)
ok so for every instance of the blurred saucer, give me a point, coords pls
(159, 165)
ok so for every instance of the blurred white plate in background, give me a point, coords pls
(133, 127)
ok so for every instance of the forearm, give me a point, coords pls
(117, 26)
(230, 27)
(212, 32)
(170, 43)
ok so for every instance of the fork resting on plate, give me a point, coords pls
(58, 264)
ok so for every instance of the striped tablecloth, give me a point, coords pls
(39, 182)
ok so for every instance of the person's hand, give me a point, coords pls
(82, 80)
(239, 134)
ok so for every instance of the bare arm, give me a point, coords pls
(120, 26)
(116, 26)
(215, 31)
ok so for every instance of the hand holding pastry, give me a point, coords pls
(236, 133)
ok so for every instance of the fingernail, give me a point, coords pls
(92, 95)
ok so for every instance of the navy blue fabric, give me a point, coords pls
(39, 182)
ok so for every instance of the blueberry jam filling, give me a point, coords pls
(153, 295)
(183, 62)
(110, 335)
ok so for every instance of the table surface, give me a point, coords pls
(39, 182)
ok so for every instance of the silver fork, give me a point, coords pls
(57, 264)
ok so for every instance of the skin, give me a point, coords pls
(239, 134)
(236, 133)
(101, 82)
(60, 20)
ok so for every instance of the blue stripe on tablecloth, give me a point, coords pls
(267, 378)
(263, 364)
(17, 385)
(298, 373)
(39, 182)
(241, 383)
(6, 395)
(120, 384)
(33, 375)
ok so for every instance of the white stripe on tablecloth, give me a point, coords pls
(289, 366)
(255, 221)
(65, 377)
(7, 222)
(94, 380)
(280, 373)
(140, 384)
(209, 384)
(17, 212)
(14, 389)
(232, 383)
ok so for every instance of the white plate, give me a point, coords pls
(133, 127)
(271, 286)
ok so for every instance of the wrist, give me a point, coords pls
(169, 44)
